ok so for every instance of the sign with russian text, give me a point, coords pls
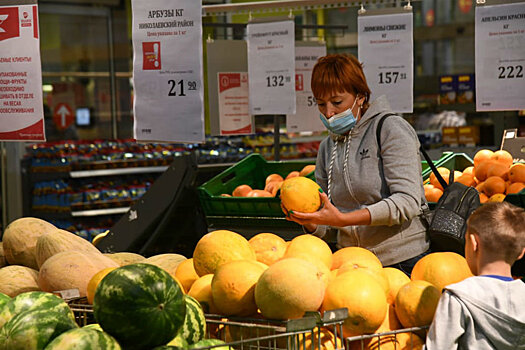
(385, 47)
(167, 71)
(500, 57)
(306, 117)
(234, 114)
(21, 104)
(271, 67)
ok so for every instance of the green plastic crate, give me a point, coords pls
(451, 161)
(425, 169)
(251, 171)
(518, 199)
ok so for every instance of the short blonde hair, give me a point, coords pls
(338, 73)
(501, 229)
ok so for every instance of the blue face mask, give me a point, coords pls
(340, 123)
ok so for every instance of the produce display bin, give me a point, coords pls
(451, 161)
(251, 171)
(425, 169)
(387, 339)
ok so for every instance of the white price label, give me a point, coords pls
(385, 47)
(21, 104)
(500, 57)
(306, 117)
(167, 71)
(271, 66)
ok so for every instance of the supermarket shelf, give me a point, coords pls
(97, 212)
(118, 171)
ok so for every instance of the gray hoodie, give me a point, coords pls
(479, 313)
(393, 192)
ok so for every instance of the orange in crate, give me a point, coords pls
(503, 157)
(517, 173)
(482, 155)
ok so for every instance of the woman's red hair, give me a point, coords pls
(333, 74)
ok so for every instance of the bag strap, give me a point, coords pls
(434, 169)
(378, 132)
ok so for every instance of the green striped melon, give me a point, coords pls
(179, 342)
(3, 300)
(141, 305)
(169, 347)
(94, 326)
(34, 329)
(210, 342)
(34, 301)
(83, 339)
(194, 327)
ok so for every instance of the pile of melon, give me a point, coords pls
(272, 184)
(493, 174)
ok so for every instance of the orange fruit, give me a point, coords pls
(241, 191)
(396, 280)
(272, 178)
(466, 179)
(268, 247)
(482, 155)
(416, 303)
(273, 187)
(300, 194)
(515, 187)
(493, 185)
(259, 193)
(517, 173)
(185, 273)
(311, 248)
(482, 169)
(498, 197)
(483, 198)
(469, 170)
(498, 169)
(307, 170)
(94, 282)
(357, 255)
(444, 172)
(433, 194)
(428, 186)
(292, 174)
(503, 157)
(441, 269)
(364, 298)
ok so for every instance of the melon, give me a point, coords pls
(416, 303)
(268, 247)
(219, 247)
(83, 339)
(58, 241)
(194, 326)
(289, 288)
(95, 281)
(20, 238)
(211, 342)
(72, 270)
(168, 262)
(441, 269)
(201, 291)
(125, 258)
(141, 305)
(310, 248)
(3, 261)
(3, 300)
(16, 279)
(185, 273)
(300, 194)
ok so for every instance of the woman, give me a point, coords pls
(372, 201)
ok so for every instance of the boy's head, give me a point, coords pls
(499, 229)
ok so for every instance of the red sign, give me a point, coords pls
(229, 81)
(9, 23)
(62, 116)
(151, 55)
(465, 5)
(430, 18)
(299, 82)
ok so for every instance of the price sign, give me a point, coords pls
(271, 67)
(234, 115)
(21, 104)
(167, 71)
(385, 47)
(500, 57)
(306, 117)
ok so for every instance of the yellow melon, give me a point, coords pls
(219, 247)
(201, 291)
(289, 288)
(375, 271)
(311, 248)
(416, 303)
(186, 274)
(357, 255)
(268, 247)
(441, 269)
(233, 287)
(396, 279)
(94, 282)
(300, 194)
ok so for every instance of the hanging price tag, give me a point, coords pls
(500, 57)
(385, 47)
(271, 67)
(21, 104)
(306, 117)
(234, 115)
(167, 71)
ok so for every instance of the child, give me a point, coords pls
(486, 311)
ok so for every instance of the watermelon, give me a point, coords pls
(141, 305)
(168, 347)
(34, 329)
(83, 339)
(179, 342)
(3, 300)
(194, 327)
(205, 343)
(34, 300)
(94, 326)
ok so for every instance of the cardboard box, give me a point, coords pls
(449, 135)
(468, 135)
(447, 89)
(466, 88)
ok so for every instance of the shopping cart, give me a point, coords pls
(403, 339)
